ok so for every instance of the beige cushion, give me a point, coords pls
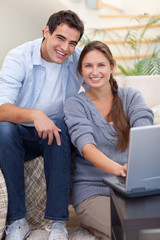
(35, 188)
(120, 80)
(3, 204)
(156, 111)
(148, 85)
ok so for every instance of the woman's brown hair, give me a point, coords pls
(117, 114)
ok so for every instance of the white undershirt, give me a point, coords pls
(52, 102)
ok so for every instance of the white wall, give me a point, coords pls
(141, 6)
(136, 7)
(14, 30)
(23, 20)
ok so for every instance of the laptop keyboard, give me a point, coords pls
(121, 181)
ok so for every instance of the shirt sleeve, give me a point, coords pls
(138, 112)
(79, 127)
(11, 77)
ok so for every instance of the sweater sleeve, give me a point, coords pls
(138, 112)
(79, 127)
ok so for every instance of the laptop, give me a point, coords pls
(143, 170)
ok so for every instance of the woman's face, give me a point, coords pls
(96, 69)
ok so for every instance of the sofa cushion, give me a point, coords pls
(3, 204)
(35, 189)
(148, 85)
(156, 111)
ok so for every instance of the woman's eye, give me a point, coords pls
(101, 65)
(88, 66)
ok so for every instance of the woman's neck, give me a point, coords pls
(99, 94)
(103, 101)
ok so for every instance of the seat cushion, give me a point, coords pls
(35, 189)
(156, 111)
(148, 85)
(3, 204)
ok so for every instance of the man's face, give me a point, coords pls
(59, 45)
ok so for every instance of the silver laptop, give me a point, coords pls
(143, 171)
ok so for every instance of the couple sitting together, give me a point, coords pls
(41, 113)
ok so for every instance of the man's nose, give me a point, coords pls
(65, 46)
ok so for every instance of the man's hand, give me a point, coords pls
(46, 128)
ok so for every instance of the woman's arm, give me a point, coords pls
(139, 113)
(78, 119)
(101, 161)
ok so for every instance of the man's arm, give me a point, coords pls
(44, 126)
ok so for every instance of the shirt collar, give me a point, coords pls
(37, 60)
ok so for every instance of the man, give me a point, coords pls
(35, 80)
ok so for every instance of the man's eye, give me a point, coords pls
(73, 44)
(60, 38)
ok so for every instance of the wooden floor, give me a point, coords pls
(73, 219)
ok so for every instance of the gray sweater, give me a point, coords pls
(87, 125)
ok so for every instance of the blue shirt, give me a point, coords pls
(23, 74)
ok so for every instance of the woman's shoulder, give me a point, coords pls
(128, 92)
(76, 97)
(75, 100)
(131, 97)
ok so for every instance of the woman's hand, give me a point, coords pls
(123, 171)
(120, 170)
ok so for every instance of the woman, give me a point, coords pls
(99, 121)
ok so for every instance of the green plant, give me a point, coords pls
(133, 44)
(134, 39)
(146, 66)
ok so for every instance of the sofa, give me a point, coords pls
(34, 175)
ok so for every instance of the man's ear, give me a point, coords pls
(46, 32)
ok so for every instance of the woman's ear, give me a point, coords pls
(112, 68)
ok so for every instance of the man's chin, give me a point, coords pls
(59, 60)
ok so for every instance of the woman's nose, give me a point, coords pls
(95, 70)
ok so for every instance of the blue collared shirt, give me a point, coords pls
(23, 75)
